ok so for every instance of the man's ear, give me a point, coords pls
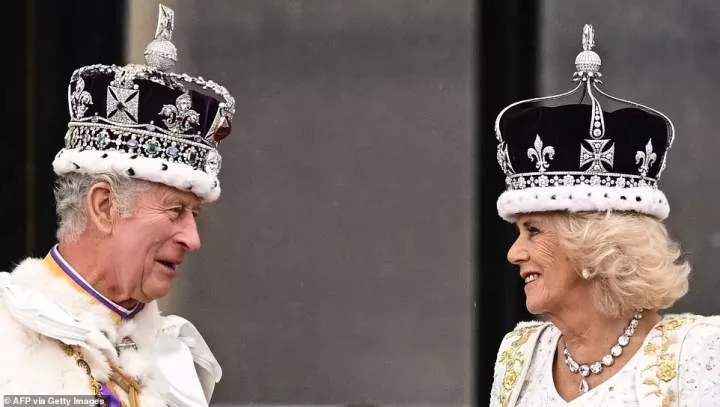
(101, 207)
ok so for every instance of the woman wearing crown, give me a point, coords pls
(597, 261)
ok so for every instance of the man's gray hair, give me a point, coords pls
(70, 200)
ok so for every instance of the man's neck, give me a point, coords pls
(85, 261)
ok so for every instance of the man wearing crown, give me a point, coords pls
(140, 160)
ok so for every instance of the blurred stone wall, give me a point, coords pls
(337, 266)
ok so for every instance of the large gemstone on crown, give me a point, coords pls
(191, 156)
(213, 161)
(103, 139)
(223, 130)
(152, 148)
(172, 151)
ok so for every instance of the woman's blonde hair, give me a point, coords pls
(630, 257)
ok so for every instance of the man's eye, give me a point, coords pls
(177, 212)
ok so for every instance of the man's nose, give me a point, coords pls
(189, 236)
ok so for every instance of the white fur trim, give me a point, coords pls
(581, 198)
(30, 361)
(180, 176)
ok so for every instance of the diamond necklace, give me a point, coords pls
(585, 370)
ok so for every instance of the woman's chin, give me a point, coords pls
(533, 306)
(536, 297)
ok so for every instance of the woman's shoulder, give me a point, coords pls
(524, 332)
(523, 339)
(700, 334)
(690, 324)
(513, 360)
(686, 352)
(683, 331)
(688, 337)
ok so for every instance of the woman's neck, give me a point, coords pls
(589, 334)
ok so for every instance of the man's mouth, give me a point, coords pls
(168, 264)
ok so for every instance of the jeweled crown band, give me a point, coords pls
(134, 142)
(552, 179)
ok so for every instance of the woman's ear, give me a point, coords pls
(102, 211)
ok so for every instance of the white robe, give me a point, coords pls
(40, 308)
(678, 364)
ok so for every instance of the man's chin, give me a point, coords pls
(157, 289)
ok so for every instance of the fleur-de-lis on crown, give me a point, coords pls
(503, 159)
(180, 118)
(80, 99)
(647, 157)
(538, 153)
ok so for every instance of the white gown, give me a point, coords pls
(695, 371)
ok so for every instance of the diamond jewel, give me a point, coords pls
(597, 367)
(623, 340)
(132, 143)
(72, 139)
(584, 386)
(212, 162)
(172, 151)
(85, 140)
(584, 370)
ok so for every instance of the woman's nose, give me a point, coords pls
(517, 252)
